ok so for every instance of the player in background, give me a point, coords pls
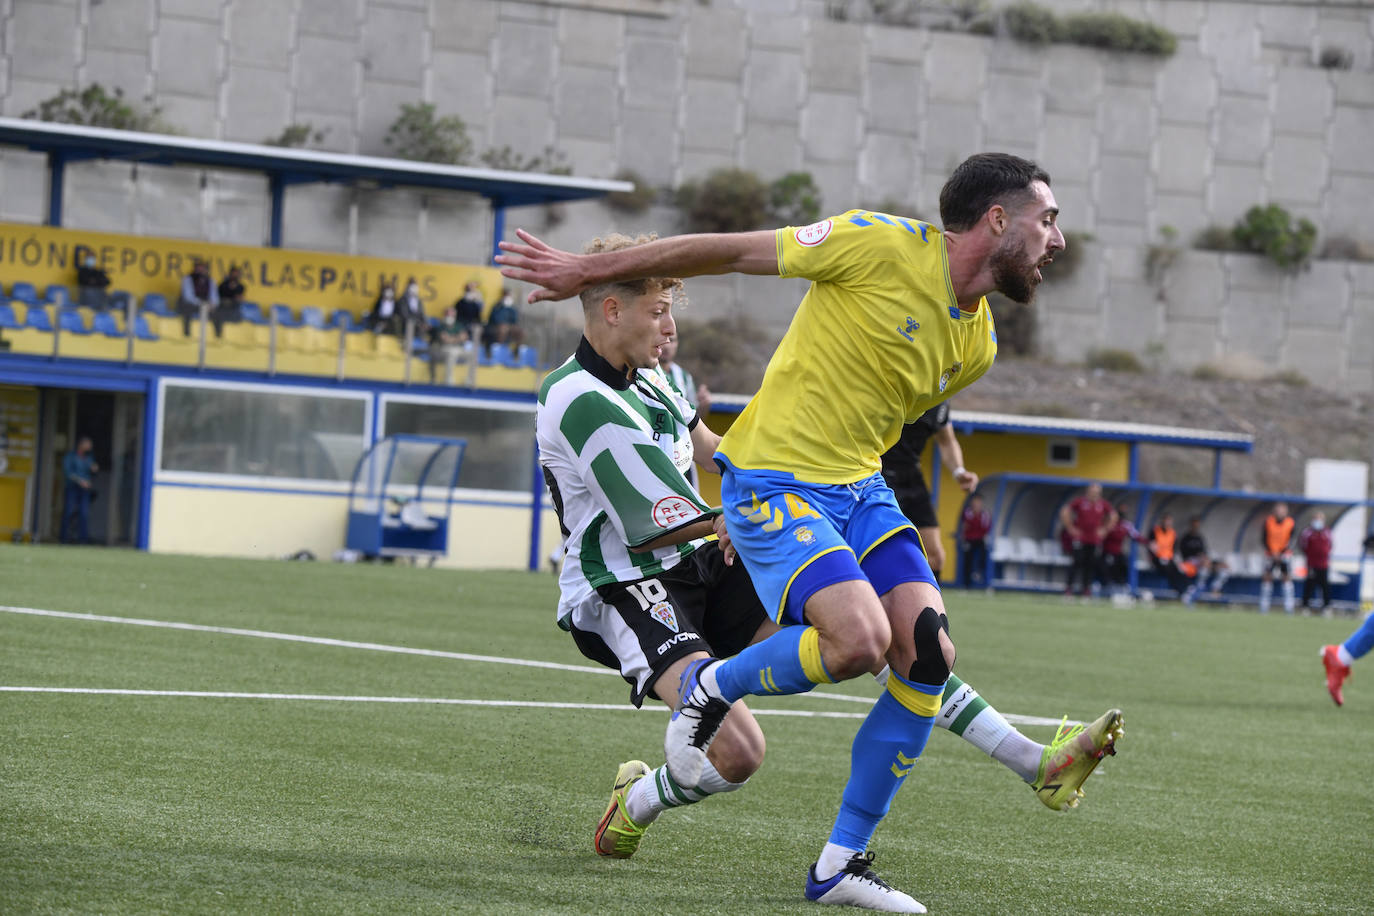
(902, 472)
(1276, 535)
(1087, 518)
(1315, 542)
(641, 590)
(894, 322)
(1338, 659)
(1195, 561)
(1115, 555)
(695, 393)
(975, 526)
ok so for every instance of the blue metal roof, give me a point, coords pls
(967, 421)
(72, 143)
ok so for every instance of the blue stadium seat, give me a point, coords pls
(37, 317)
(104, 323)
(7, 317)
(528, 357)
(312, 316)
(59, 294)
(343, 318)
(157, 304)
(501, 355)
(252, 313)
(120, 297)
(284, 316)
(141, 329)
(24, 292)
(70, 321)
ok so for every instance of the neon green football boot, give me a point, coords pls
(1072, 756)
(617, 836)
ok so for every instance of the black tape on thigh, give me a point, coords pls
(929, 667)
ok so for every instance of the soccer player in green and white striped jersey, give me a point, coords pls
(642, 590)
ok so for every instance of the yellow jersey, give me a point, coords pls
(878, 340)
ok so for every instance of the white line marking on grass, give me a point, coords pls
(431, 653)
(432, 701)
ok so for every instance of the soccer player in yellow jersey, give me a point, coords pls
(894, 322)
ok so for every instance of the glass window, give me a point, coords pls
(500, 451)
(262, 433)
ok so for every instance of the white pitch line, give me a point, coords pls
(430, 701)
(430, 653)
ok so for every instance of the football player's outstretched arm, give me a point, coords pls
(562, 274)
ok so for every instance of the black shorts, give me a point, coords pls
(1274, 565)
(913, 497)
(641, 628)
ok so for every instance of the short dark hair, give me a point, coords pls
(982, 180)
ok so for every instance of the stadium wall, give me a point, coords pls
(1240, 115)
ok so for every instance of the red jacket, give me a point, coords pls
(975, 526)
(1316, 543)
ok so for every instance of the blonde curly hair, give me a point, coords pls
(626, 289)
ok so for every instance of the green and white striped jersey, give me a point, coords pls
(614, 452)
(682, 382)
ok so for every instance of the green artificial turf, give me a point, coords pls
(1239, 786)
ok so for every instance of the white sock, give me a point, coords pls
(1288, 596)
(657, 792)
(1344, 655)
(987, 728)
(1019, 754)
(832, 861)
(1266, 590)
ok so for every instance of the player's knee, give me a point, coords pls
(737, 751)
(934, 655)
(859, 650)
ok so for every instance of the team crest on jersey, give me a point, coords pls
(671, 511)
(805, 535)
(662, 611)
(814, 234)
(948, 376)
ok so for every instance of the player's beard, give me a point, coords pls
(1013, 271)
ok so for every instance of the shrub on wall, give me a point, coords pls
(1116, 32)
(551, 161)
(737, 200)
(1270, 231)
(1034, 24)
(794, 200)
(297, 135)
(632, 202)
(94, 107)
(418, 134)
(1113, 360)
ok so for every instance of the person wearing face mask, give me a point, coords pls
(503, 324)
(1315, 541)
(411, 308)
(91, 283)
(385, 315)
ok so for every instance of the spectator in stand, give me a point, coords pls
(1315, 541)
(503, 324)
(412, 310)
(198, 295)
(230, 308)
(468, 311)
(1277, 537)
(1196, 562)
(91, 283)
(77, 467)
(451, 339)
(1087, 518)
(902, 472)
(385, 315)
(1163, 544)
(1115, 563)
(974, 527)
